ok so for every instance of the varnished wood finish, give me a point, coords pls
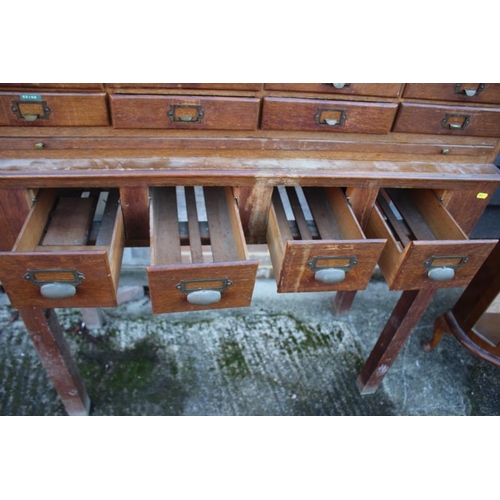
(70, 222)
(468, 205)
(301, 114)
(403, 263)
(66, 110)
(135, 208)
(15, 205)
(53, 350)
(447, 92)
(227, 251)
(165, 297)
(249, 139)
(360, 89)
(99, 264)
(195, 86)
(219, 113)
(337, 227)
(481, 292)
(253, 203)
(428, 118)
(36, 87)
(192, 171)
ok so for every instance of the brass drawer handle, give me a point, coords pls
(30, 111)
(329, 270)
(455, 121)
(446, 270)
(55, 283)
(204, 292)
(185, 113)
(469, 91)
(330, 117)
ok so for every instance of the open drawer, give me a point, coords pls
(68, 253)
(323, 248)
(425, 246)
(214, 271)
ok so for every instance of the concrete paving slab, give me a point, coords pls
(285, 355)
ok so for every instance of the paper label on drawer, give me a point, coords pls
(482, 196)
(30, 97)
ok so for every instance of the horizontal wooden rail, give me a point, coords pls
(189, 171)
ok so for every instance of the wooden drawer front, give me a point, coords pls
(327, 116)
(33, 87)
(64, 256)
(466, 92)
(53, 109)
(195, 86)
(366, 89)
(425, 246)
(166, 112)
(329, 251)
(214, 272)
(455, 120)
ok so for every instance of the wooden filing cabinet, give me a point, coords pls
(343, 146)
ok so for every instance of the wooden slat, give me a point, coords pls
(219, 223)
(16, 204)
(108, 219)
(322, 213)
(436, 216)
(237, 229)
(344, 214)
(193, 226)
(135, 207)
(412, 217)
(70, 222)
(392, 220)
(32, 230)
(253, 204)
(362, 201)
(165, 243)
(116, 245)
(298, 213)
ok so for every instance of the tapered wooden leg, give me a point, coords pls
(342, 302)
(403, 320)
(440, 328)
(47, 336)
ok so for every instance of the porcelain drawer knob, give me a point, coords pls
(204, 297)
(58, 290)
(329, 276)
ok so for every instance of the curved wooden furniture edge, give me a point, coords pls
(464, 339)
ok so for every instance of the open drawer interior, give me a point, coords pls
(316, 243)
(199, 258)
(426, 248)
(69, 251)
